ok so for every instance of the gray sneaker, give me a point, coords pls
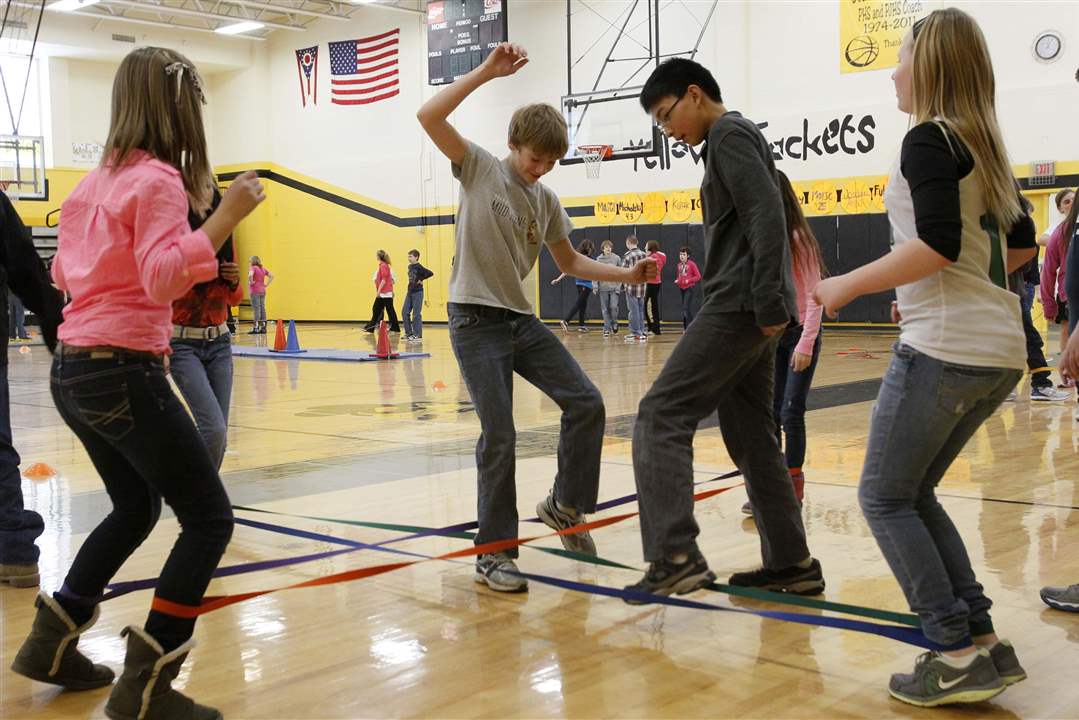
(1062, 598)
(747, 508)
(1048, 394)
(499, 572)
(935, 682)
(558, 519)
(1007, 663)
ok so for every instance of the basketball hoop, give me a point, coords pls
(593, 157)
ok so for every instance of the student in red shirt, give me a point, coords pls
(383, 280)
(651, 295)
(687, 278)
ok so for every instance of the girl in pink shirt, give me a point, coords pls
(687, 278)
(258, 279)
(125, 253)
(799, 348)
(1053, 280)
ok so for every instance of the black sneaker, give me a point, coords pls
(1007, 663)
(666, 577)
(793, 580)
(935, 682)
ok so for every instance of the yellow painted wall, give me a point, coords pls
(322, 255)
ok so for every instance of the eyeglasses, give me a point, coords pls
(664, 122)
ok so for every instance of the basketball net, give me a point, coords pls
(593, 156)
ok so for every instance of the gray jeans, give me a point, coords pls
(723, 362)
(491, 344)
(258, 307)
(203, 371)
(926, 412)
(608, 303)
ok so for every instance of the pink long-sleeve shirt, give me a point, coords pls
(1052, 284)
(125, 253)
(806, 277)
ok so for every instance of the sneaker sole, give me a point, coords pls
(963, 696)
(685, 586)
(804, 587)
(497, 587)
(1058, 605)
(579, 543)
(1013, 679)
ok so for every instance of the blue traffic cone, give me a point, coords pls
(293, 345)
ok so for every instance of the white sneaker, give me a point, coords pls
(1011, 397)
(630, 339)
(1048, 394)
(565, 325)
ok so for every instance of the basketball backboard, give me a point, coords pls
(612, 46)
(22, 166)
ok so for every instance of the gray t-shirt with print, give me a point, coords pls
(501, 222)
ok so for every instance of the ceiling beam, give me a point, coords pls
(169, 10)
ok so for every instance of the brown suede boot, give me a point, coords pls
(144, 691)
(50, 654)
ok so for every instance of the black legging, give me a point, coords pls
(651, 300)
(579, 308)
(383, 305)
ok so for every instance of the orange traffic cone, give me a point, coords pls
(292, 347)
(279, 342)
(382, 350)
(39, 471)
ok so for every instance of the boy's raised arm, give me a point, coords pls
(504, 60)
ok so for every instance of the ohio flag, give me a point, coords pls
(307, 67)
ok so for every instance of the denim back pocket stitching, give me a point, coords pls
(112, 420)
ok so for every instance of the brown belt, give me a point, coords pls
(104, 352)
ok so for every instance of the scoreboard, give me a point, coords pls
(460, 36)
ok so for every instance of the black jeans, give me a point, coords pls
(652, 314)
(722, 363)
(145, 448)
(689, 305)
(383, 305)
(791, 390)
(19, 527)
(580, 306)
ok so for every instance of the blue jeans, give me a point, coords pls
(202, 370)
(926, 412)
(608, 303)
(1036, 362)
(491, 344)
(635, 312)
(145, 448)
(791, 390)
(18, 526)
(412, 311)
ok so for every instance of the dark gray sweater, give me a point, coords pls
(748, 263)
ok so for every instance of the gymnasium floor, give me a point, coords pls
(378, 442)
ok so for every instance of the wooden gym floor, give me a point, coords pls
(380, 442)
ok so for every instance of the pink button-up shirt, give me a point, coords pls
(125, 253)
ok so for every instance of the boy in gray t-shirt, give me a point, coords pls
(505, 214)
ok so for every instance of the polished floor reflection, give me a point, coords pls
(393, 442)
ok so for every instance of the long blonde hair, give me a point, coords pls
(157, 103)
(952, 80)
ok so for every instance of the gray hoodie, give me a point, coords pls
(609, 259)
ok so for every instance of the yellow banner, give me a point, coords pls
(871, 31)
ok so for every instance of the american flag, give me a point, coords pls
(364, 71)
